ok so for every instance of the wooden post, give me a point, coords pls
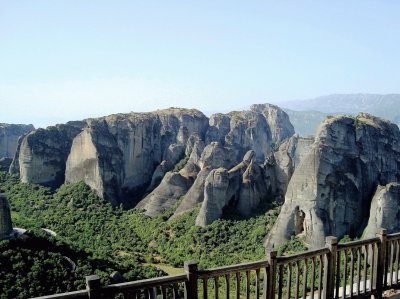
(330, 266)
(191, 284)
(269, 281)
(380, 269)
(93, 286)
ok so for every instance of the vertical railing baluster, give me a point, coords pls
(344, 274)
(373, 260)
(396, 273)
(320, 261)
(247, 284)
(257, 283)
(351, 271)
(216, 287)
(305, 278)
(312, 276)
(382, 260)
(280, 282)
(297, 280)
(337, 274)
(365, 247)
(164, 292)
(289, 281)
(391, 266)
(205, 288)
(175, 291)
(237, 285)
(228, 285)
(358, 270)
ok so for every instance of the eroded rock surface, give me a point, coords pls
(385, 210)
(9, 135)
(42, 154)
(331, 189)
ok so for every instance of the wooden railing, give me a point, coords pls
(355, 269)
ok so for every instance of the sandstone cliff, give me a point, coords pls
(331, 189)
(385, 210)
(9, 135)
(161, 157)
(42, 154)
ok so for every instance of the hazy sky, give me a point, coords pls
(67, 60)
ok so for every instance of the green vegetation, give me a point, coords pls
(182, 163)
(100, 239)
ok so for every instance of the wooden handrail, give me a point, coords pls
(232, 269)
(357, 243)
(301, 256)
(371, 265)
(146, 283)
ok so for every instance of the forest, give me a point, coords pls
(92, 237)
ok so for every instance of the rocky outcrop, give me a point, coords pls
(172, 187)
(242, 188)
(127, 149)
(278, 120)
(9, 135)
(5, 218)
(217, 194)
(385, 210)
(331, 189)
(160, 157)
(287, 157)
(42, 154)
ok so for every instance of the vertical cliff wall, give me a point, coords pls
(330, 191)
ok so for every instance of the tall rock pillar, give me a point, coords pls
(5, 217)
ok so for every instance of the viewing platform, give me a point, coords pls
(357, 269)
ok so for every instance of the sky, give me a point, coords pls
(69, 59)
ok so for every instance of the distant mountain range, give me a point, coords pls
(306, 115)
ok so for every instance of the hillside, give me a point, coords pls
(100, 239)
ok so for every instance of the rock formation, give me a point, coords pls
(243, 187)
(280, 126)
(9, 135)
(42, 154)
(158, 158)
(5, 217)
(385, 210)
(331, 189)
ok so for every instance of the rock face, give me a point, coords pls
(331, 189)
(385, 210)
(243, 187)
(9, 135)
(5, 218)
(158, 158)
(42, 154)
(287, 157)
(124, 150)
(278, 121)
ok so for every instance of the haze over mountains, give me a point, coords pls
(306, 115)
